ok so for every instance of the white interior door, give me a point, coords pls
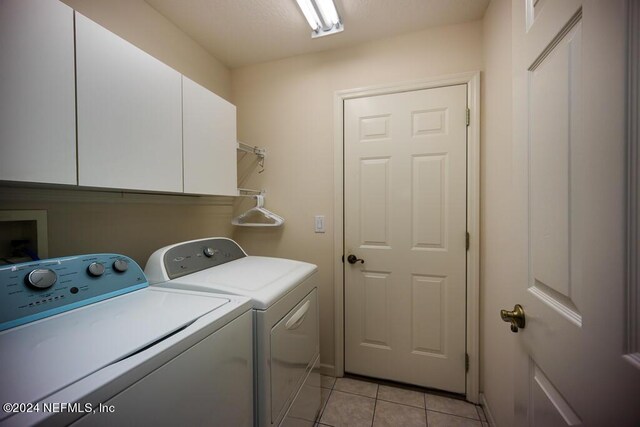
(569, 136)
(405, 216)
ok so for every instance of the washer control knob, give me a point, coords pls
(42, 278)
(209, 252)
(120, 265)
(95, 269)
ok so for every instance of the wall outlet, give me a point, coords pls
(319, 228)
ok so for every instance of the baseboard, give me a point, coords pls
(487, 410)
(329, 370)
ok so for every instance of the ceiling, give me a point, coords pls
(242, 32)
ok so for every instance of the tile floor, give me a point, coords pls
(353, 402)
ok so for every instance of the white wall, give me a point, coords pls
(287, 107)
(496, 246)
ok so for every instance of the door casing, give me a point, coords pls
(472, 310)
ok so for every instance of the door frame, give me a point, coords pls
(472, 80)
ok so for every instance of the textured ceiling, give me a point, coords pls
(242, 32)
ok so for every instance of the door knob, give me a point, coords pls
(515, 317)
(352, 259)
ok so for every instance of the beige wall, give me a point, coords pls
(287, 107)
(497, 341)
(132, 224)
(141, 25)
(81, 222)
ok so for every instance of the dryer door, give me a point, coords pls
(294, 346)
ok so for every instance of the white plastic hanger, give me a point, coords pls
(265, 218)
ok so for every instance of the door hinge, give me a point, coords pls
(468, 116)
(466, 362)
(468, 241)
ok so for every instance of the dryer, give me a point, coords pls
(85, 341)
(285, 302)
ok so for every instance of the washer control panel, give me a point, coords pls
(34, 290)
(192, 257)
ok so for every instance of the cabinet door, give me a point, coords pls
(129, 114)
(209, 142)
(37, 118)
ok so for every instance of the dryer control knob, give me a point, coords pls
(120, 265)
(42, 278)
(95, 269)
(209, 252)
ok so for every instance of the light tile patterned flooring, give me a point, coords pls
(353, 402)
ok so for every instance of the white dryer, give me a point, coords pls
(85, 341)
(284, 294)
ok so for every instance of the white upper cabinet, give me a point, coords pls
(37, 117)
(106, 114)
(209, 139)
(129, 114)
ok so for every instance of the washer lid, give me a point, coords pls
(263, 279)
(43, 357)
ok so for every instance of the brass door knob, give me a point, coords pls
(515, 317)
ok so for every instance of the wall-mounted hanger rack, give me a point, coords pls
(260, 152)
(250, 192)
(258, 216)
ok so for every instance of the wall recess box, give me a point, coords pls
(26, 227)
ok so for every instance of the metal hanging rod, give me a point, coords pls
(260, 152)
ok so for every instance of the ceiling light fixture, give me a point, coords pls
(322, 17)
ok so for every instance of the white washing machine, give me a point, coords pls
(85, 341)
(285, 301)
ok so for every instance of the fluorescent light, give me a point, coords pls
(309, 12)
(322, 17)
(328, 12)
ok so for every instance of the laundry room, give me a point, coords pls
(354, 205)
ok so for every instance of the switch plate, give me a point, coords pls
(319, 228)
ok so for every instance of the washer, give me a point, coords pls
(285, 302)
(85, 341)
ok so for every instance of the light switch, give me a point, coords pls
(319, 224)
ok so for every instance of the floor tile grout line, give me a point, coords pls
(403, 404)
(324, 406)
(426, 415)
(375, 404)
(455, 415)
(356, 394)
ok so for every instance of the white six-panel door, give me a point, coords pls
(405, 215)
(570, 160)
